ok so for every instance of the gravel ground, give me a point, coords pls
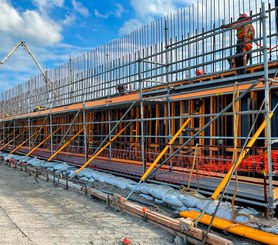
(36, 212)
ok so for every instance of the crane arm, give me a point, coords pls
(11, 52)
(26, 48)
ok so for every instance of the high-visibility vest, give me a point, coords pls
(245, 32)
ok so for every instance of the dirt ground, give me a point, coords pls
(36, 212)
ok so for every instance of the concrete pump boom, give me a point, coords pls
(26, 48)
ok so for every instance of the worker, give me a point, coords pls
(200, 72)
(121, 89)
(245, 35)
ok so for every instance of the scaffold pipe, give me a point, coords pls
(21, 144)
(7, 137)
(65, 145)
(23, 131)
(46, 139)
(143, 178)
(101, 150)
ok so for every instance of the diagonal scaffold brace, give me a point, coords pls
(99, 151)
(22, 132)
(46, 139)
(21, 144)
(101, 148)
(151, 169)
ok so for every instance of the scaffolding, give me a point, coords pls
(165, 102)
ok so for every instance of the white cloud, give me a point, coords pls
(147, 11)
(153, 7)
(46, 5)
(69, 20)
(103, 16)
(117, 12)
(28, 25)
(80, 8)
(130, 26)
(41, 33)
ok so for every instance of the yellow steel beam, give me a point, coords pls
(145, 175)
(21, 144)
(46, 139)
(65, 145)
(7, 137)
(101, 150)
(217, 191)
(23, 131)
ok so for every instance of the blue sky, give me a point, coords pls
(55, 29)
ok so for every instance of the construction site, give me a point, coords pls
(179, 112)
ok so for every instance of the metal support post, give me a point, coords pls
(101, 150)
(15, 137)
(109, 129)
(28, 139)
(29, 122)
(65, 145)
(3, 140)
(46, 139)
(151, 172)
(141, 114)
(168, 85)
(68, 129)
(267, 115)
(3, 122)
(107, 136)
(85, 131)
(50, 124)
(14, 131)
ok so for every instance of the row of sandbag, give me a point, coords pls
(160, 194)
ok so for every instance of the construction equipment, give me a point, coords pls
(26, 48)
(40, 108)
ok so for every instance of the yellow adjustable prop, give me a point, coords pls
(224, 181)
(145, 175)
(101, 150)
(65, 145)
(7, 137)
(21, 144)
(46, 139)
(240, 158)
(13, 139)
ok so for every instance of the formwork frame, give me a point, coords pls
(139, 70)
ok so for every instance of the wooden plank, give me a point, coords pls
(167, 221)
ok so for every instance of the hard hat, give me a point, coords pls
(198, 72)
(242, 16)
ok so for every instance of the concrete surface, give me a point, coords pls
(36, 212)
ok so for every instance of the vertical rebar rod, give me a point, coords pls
(268, 131)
